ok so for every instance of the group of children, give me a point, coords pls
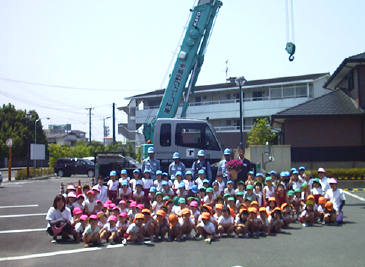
(140, 208)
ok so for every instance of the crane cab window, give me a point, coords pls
(165, 134)
(195, 135)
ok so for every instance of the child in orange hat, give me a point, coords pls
(218, 211)
(329, 213)
(253, 222)
(263, 223)
(174, 229)
(271, 204)
(206, 228)
(275, 222)
(320, 210)
(161, 224)
(148, 227)
(286, 210)
(187, 224)
(134, 231)
(241, 221)
(225, 223)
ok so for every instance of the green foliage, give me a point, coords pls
(14, 125)
(260, 133)
(340, 172)
(139, 153)
(22, 174)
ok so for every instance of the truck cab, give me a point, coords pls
(186, 136)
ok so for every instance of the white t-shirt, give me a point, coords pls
(188, 184)
(269, 193)
(88, 230)
(147, 183)
(113, 186)
(317, 191)
(123, 225)
(158, 185)
(90, 205)
(103, 195)
(133, 228)
(336, 197)
(128, 179)
(156, 207)
(138, 195)
(324, 183)
(128, 191)
(222, 185)
(182, 222)
(231, 192)
(209, 227)
(79, 228)
(207, 199)
(199, 182)
(55, 214)
(109, 229)
(184, 194)
(223, 220)
(80, 206)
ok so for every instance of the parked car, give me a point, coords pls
(68, 166)
(1, 178)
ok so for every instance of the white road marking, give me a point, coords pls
(353, 195)
(22, 215)
(63, 252)
(22, 231)
(19, 206)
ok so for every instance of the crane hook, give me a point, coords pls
(290, 48)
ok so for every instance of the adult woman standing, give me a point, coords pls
(59, 219)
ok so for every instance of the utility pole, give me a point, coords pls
(89, 124)
(113, 123)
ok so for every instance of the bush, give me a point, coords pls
(22, 174)
(336, 173)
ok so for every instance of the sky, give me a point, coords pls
(61, 57)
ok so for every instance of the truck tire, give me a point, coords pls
(60, 173)
(90, 173)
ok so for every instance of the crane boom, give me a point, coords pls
(188, 62)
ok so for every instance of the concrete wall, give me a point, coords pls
(281, 154)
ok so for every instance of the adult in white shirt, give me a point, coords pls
(324, 179)
(336, 196)
(103, 193)
(59, 219)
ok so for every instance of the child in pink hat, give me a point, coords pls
(79, 227)
(90, 203)
(91, 232)
(110, 230)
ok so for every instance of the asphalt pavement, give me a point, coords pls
(24, 242)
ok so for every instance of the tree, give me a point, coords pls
(14, 125)
(260, 133)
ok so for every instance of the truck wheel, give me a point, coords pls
(60, 173)
(90, 173)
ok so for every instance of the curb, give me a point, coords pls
(351, 178)
(354, 189)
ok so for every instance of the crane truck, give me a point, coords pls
(168, 134)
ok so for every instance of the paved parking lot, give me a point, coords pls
(23, 241)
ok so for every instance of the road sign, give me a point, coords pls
(9, 142)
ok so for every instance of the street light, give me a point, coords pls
(104, 127)
(28, 115)
(240, 81)
(35, 140)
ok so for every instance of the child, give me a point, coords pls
(273, 175)
(79, 227)
(240, 187)
(281, 196)
(157, 204)
(297, 201)
(122, 206)
(329, 213)
(91, 233)
(269, 191)
(113, 186)
(218, 211)
(138, 194)
(79, 203)
(230, 190)
(76, 216)
(158, 182)
(136, 177)
(194, 210)
(221, 183)
(71, 198)
(294, 180)
(188, 181)
(206, 228)
(250, 178)
(147, 182)
(258, 192)
(307, 217)
(201, 177)
(209, 199)
(110, 230)
(320, 210)
(181, 192)
(148, 228)
(166, 190)
(124, 176)
(174, 229)
(134, 231)
(271, 204)
(90, 203)
(264, 222)
(132, 211)
(285, 215)
(253, 221)
(305, 191)
(177, 181)
(161, 225)
(241, 223)
(187, 224)
(231, 203)
(216, 189)
(337, 197)
(316, 190)
(239, 200)
(103, 195)
(225, 223)
(99, 206)
(181, 205)
(102, 219)
(122, 223)
(125, 191)
(201, 194)
(250, 193)
(274, 222)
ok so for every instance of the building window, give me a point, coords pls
(258, 95)
(198, 99)
(228, 96)
(288, 91)
(275, 92)
(165, 134)
(301, 91)
(228, 122)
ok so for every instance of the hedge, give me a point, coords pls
(22, 174)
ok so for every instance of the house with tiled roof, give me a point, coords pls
(220, 103)
(329, 130)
